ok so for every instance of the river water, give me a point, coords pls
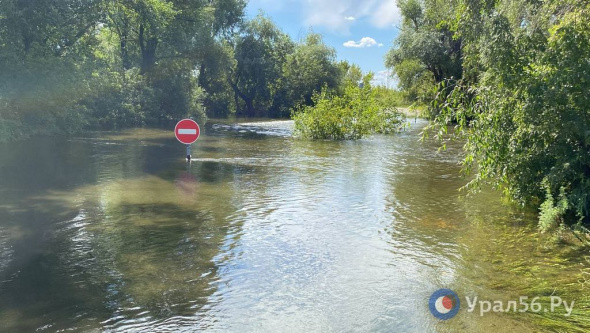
(261, 232)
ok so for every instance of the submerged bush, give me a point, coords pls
(349, 116)
(526, 119)
(551, 214)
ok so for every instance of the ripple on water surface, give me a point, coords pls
(259, 233)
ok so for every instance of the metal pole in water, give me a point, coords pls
(188, 153)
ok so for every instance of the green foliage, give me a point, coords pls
(524, 111)
(415, 80)
(349, 116)
(67, 64)
(426, 51)
(551, 214)
(353, 72)
(311, 66)
(390, 98)
(412, 12)
(270, 73)
(215, 78)
(261, 53)
(264, 73)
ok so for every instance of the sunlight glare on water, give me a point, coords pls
(260, 233)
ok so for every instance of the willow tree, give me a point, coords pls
(426, 50)
(523, 107)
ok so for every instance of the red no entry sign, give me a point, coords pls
(187, 131)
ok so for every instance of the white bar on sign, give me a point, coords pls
(187, 131)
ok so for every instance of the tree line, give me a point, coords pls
(69, 64)
(513, 78)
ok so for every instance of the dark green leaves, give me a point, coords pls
(525, 114)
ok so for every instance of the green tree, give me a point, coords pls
(163, 31)
(270, 74)
(260, 53)
(524, 108)
(215, 78)
(310, 67)
(66, 63)
(168, 40)
(426, 49)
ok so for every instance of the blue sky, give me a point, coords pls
(361, 31)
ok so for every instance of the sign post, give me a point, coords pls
(187, 131)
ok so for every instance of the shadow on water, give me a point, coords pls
(91, 237)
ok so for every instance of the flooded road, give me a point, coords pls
(262, 232)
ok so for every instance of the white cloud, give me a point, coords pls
(336, 14)
(364, 42)
(386, 15)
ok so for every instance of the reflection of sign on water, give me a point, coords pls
(187, 184)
